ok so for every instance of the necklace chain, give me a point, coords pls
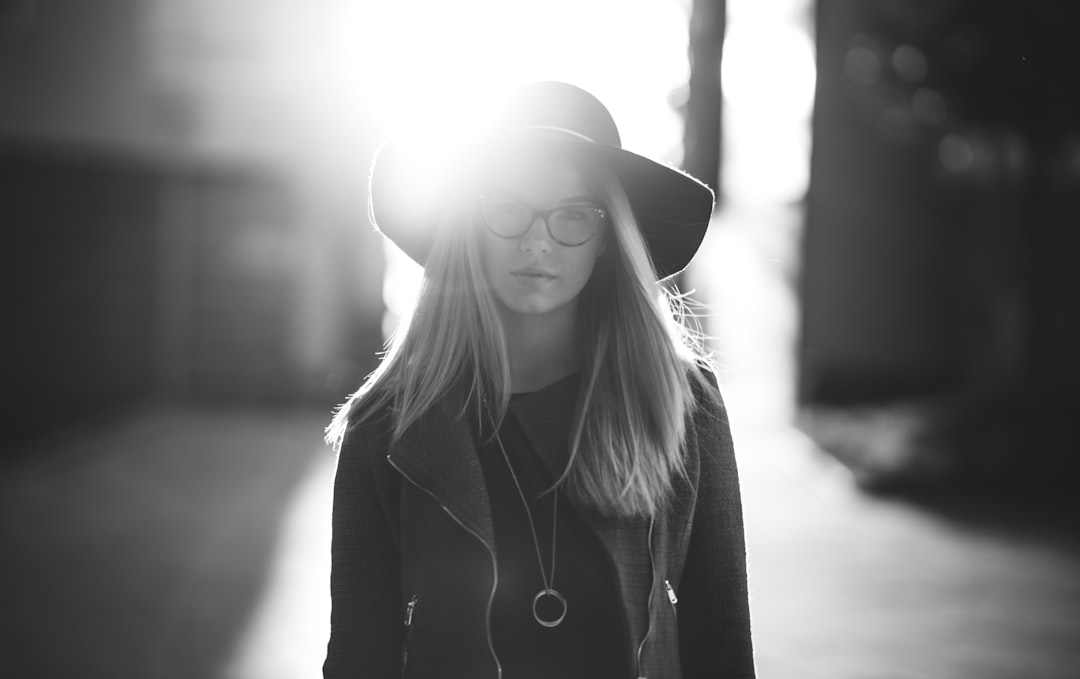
(548, 581)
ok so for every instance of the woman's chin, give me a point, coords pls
(534, 304)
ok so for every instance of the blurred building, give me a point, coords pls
(185, 210)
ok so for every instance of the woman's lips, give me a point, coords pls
(536, 277)
(532, 274)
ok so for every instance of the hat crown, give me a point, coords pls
(559, 105)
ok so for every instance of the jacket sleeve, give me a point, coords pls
(714, 615)
(366, 625)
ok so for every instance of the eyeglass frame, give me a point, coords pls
(543, 215)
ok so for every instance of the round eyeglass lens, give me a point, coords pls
(507, 218)
(573, 225)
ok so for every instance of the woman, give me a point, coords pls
(538, 479)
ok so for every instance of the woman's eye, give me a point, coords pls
(575, 214)
(507, 208)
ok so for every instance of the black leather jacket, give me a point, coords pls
(413, 554)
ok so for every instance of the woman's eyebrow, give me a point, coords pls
(583, 198)
(507, 192)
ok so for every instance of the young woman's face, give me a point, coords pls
(535, 273)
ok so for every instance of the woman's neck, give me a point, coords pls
(543, 348)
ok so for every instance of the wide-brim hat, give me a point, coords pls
(672, 208)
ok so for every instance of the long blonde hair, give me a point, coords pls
(640, 343)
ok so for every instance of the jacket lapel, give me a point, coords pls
(437, 454)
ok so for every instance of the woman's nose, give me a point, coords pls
(537, 238)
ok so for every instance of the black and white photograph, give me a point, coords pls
(540, 339)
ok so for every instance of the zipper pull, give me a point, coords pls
(409, 611)
(670, 593)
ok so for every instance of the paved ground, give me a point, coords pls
(846, 585)
(142, 546)
(182, 543)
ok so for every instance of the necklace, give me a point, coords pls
(548, 595)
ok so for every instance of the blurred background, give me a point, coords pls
(193, 284)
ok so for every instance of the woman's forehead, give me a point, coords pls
(538, 174)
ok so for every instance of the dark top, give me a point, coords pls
(588, 643)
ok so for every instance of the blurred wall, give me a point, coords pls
(185, 224)
(79, 271)
(77, 72)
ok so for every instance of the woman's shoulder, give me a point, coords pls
(367, 425)
(706, 386)
(709, 429)
(372, 422)
(704, 370)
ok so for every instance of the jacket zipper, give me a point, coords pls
(652, 586)
(491, 552)
(409, 611)
(671, 594)
(409, 608)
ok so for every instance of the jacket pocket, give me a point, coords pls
(410, 610)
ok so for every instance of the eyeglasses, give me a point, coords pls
(569, 225)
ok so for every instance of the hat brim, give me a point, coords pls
(672, 208)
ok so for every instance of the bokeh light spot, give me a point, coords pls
(862, 66)
(909, 63)
(956, 154)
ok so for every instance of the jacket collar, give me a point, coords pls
(438, 453)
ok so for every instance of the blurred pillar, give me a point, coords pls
(702, 138)
(1049, 111)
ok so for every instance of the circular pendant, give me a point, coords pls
(549, 607)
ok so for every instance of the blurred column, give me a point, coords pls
(768, 75)
(702, 142)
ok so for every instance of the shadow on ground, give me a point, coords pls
(139, 546)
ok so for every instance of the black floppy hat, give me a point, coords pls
(672, 208)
